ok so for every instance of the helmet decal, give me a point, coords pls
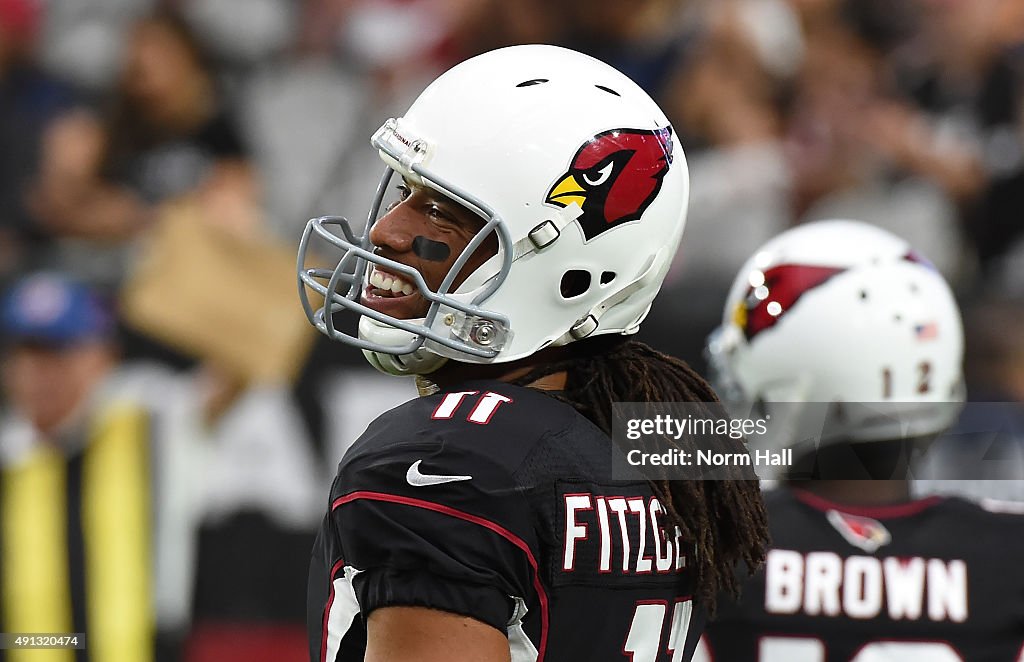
(926, 330)
(774, 291)
(614, 177)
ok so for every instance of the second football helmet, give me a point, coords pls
(843, 312)
(574, 168)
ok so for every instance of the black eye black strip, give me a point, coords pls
(428, 249)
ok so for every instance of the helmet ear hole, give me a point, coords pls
(574, 283)
(607, 277)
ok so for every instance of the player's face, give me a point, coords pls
(426, 231)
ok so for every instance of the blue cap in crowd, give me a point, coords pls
(51, 308)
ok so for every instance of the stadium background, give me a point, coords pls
(176, 176)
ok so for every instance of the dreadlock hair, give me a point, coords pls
(725, 519)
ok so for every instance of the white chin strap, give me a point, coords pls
(420, 362)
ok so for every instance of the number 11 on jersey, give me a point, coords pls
(643, 642)
(482, 411)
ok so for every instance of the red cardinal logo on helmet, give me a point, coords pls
(774, 291)
(614, 177)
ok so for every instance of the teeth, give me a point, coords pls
(387, 282)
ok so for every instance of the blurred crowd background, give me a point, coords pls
(158, 161)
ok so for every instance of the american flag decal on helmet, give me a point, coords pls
(926, 331)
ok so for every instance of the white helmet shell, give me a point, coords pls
(570, 163)
(841, 311)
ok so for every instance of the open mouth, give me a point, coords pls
(387, 285)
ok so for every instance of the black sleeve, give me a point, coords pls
(464, 546)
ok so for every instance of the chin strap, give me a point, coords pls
(547, 232)
(420, 362)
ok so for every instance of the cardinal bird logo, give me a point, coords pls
(864, 532)
(614, 177)
(773, 292)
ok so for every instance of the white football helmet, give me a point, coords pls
(843, 312)
(568, 162)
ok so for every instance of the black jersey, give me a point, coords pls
(496, 502)
(934, 580)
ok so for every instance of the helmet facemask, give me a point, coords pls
(456, 324)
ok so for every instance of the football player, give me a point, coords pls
(541, 197)
(848, 320)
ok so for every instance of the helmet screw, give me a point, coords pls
(483, 333)
(449, 319)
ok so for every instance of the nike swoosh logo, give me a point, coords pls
(418, 479)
